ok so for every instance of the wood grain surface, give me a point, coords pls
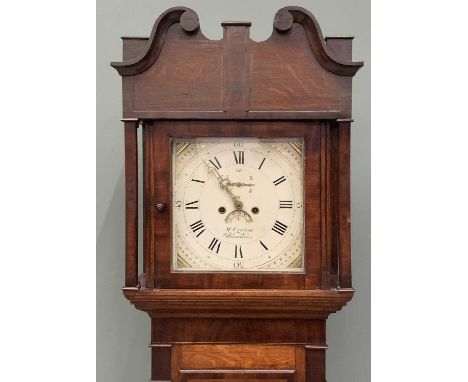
(158, 187)
(237, 357)
(212, 330)
(177, 83)
(178, 70)
(131, 203)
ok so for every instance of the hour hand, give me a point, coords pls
(236, 200)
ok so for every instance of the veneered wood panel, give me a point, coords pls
(315, 365)
(238, 330)
(237, 357)
(185, 72)
(161, 363)
(160, 223)
(235, 68)
(237, 375)
(344, 204)
(300, 364)
(285, 75)
(325, 203)
(340, 196)
(312, 206)
(131, 203)
(188, 75)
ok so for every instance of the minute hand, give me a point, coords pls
(223, 185)
(239, 184)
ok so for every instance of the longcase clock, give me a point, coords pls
(246, 208)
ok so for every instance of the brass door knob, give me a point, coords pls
(160, 206)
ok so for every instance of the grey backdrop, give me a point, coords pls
(123, 333)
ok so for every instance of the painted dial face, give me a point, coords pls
(237, 204)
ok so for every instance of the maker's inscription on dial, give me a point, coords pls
(238, 233)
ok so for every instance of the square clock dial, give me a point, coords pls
(237, 205)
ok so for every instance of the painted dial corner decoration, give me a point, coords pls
(237, 205)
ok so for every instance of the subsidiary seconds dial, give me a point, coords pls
(237, 205)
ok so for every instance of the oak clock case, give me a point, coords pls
(246, 205)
